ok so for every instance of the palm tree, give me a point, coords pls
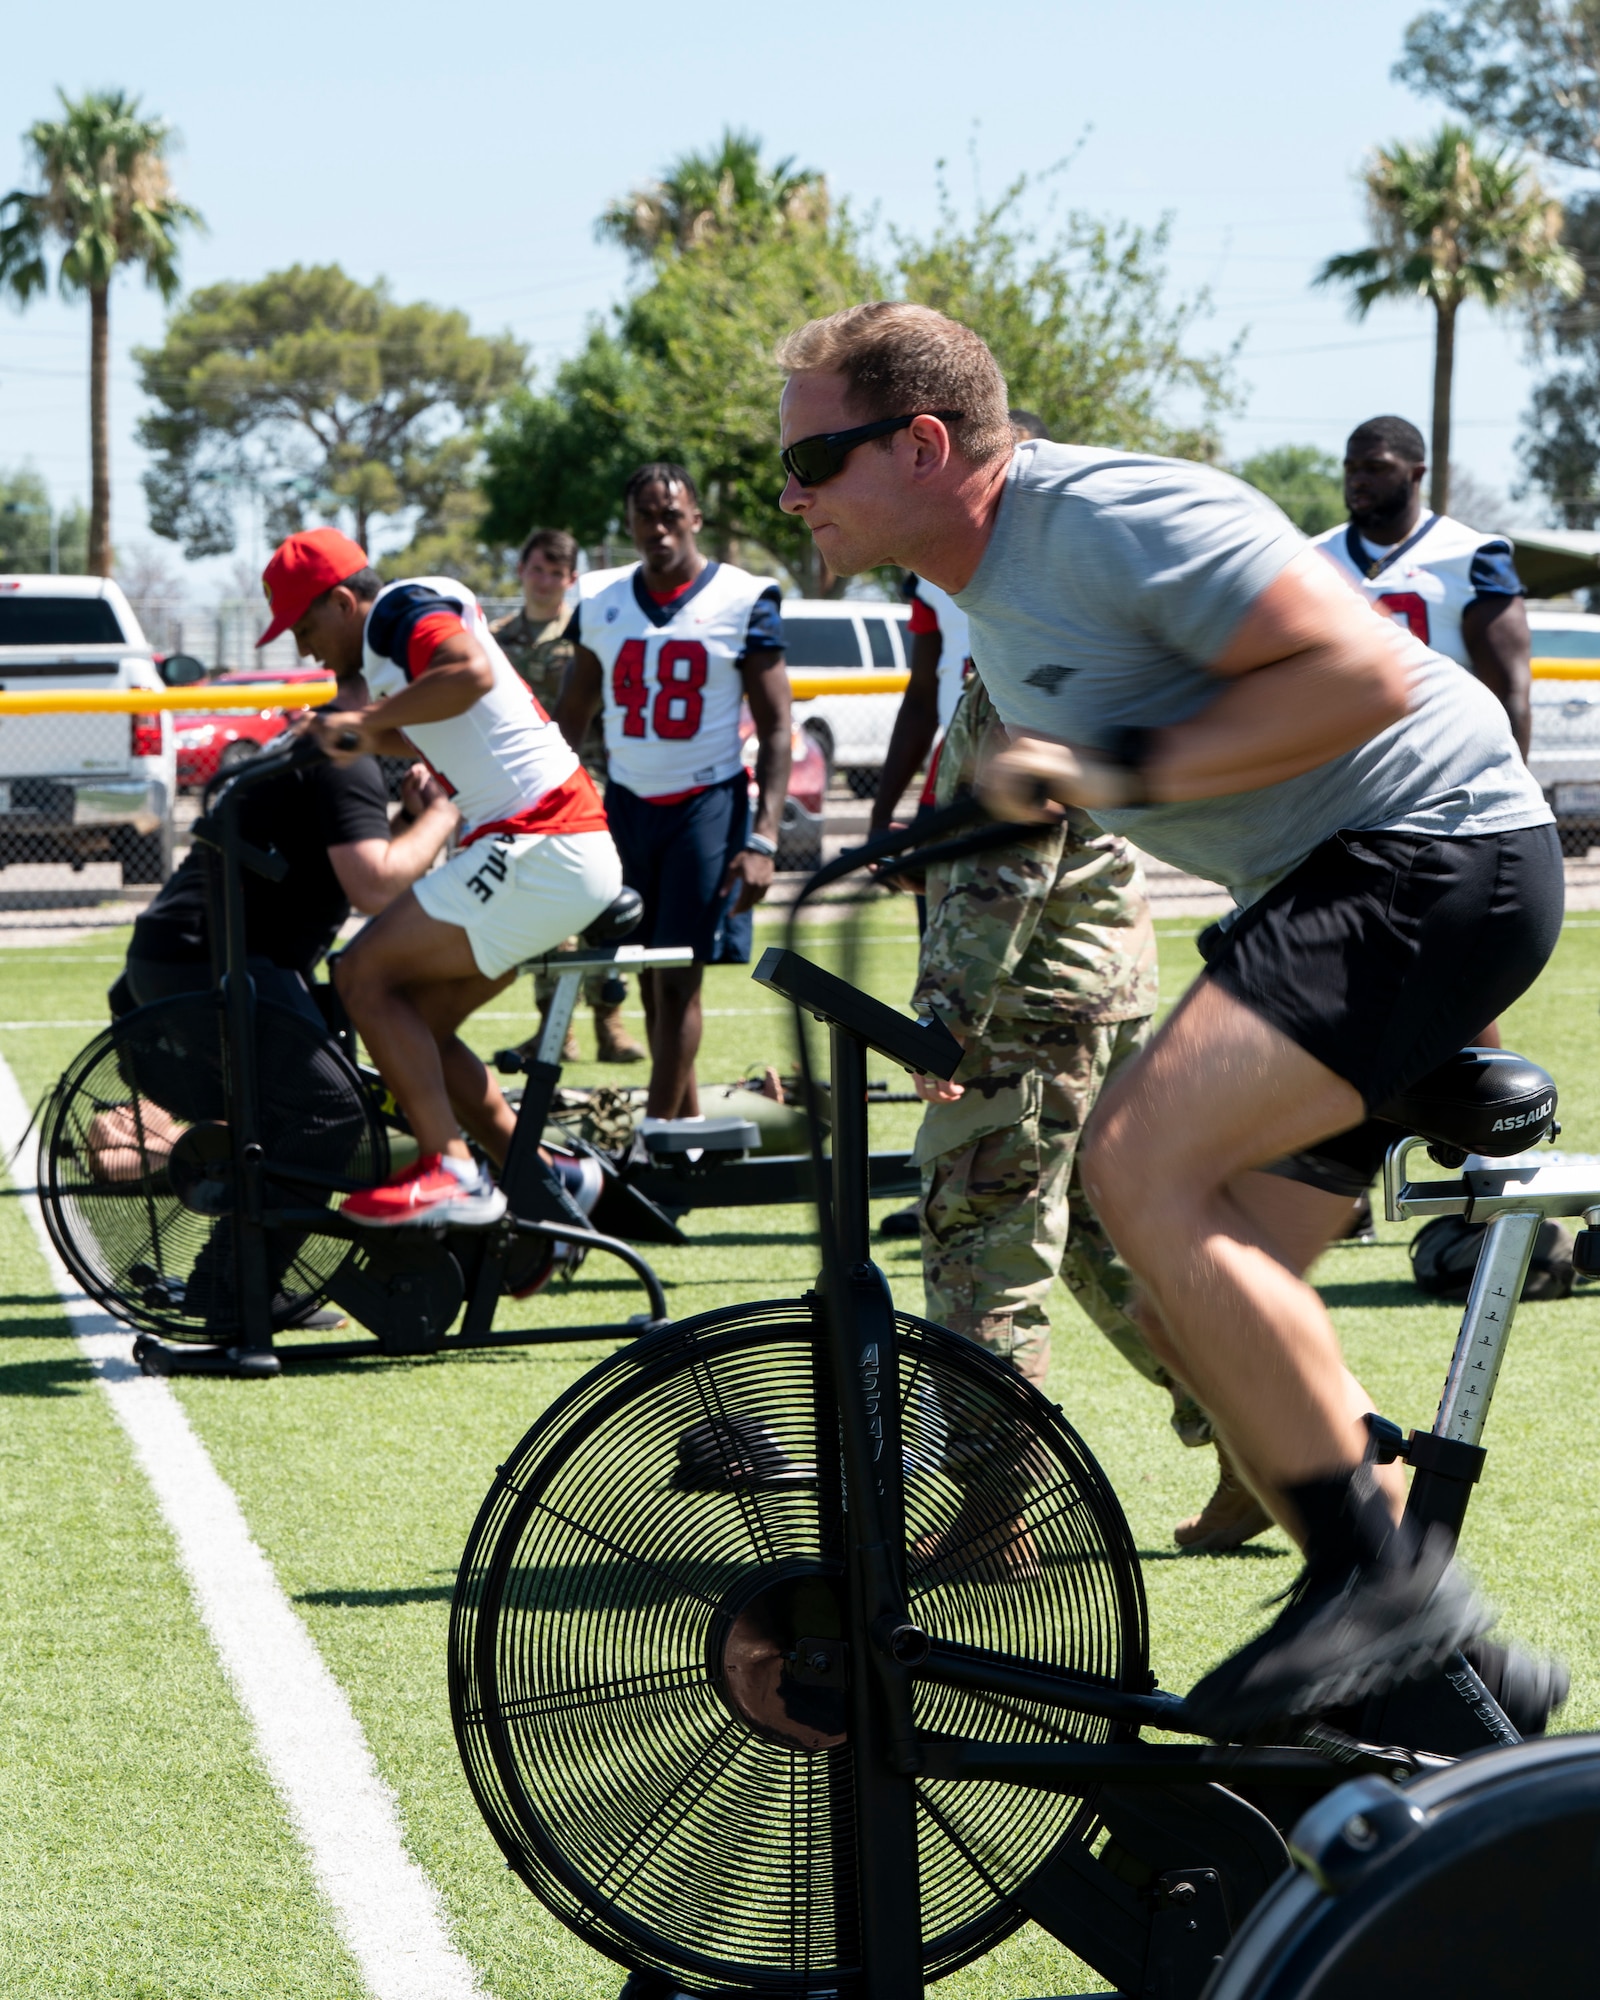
(702, 195)
(105, 197)
(1454, 219)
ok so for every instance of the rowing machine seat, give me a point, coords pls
(616, 920)
(1488, 1101)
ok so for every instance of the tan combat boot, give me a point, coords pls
(1229, 1518)
(980, 1544)
(616, 1044)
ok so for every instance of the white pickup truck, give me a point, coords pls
(81, 788)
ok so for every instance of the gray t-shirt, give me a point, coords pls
(1111, 577)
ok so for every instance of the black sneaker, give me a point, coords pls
(902, 1221)
(1528, 1688)
(1343, 1636)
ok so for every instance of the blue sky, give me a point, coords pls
(464, 155)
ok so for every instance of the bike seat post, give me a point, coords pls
(1486, 1325)
(558, 1018)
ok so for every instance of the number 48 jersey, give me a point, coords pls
(670, 672)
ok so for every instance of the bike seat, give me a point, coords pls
(1488, 1101)
(616, 920)
(704, 1135)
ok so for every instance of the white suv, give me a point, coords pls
(838, 634)
(80, 788)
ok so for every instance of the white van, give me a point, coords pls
(80, 788)
(837, 634)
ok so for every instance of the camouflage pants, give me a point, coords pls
(1004, 1213)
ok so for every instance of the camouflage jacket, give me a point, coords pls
(541, 656)
(1054, 928)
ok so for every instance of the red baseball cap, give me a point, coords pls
(301, 569)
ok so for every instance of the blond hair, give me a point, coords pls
(900, 359)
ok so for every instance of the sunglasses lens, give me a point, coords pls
(812, 460)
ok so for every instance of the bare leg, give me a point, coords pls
(475, 1096)
(381, 979)
(1218, 1093)
(1302, 1221)
(673, 1017)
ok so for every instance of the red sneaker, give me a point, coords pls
(426, 1192)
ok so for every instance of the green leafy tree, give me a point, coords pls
(1080, 323)
(320, 396)
(1560, 441)
(25, 522)
(1528, 69)
(104, 200)
(1306, 483)
(1081, 326)
(560, 458)
(731, 252)
(730, 192)
(1455, 219)
(700, 338)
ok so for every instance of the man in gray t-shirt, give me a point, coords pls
(1167, 653)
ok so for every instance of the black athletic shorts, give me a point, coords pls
(1384, 953)
(677, 857)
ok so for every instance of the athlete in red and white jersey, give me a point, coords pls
(669, 649)
(535, 862)
(506, 766)
(1455, 588)
(671, 672)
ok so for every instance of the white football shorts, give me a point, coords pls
(519, 895)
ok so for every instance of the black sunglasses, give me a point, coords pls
(811, 460)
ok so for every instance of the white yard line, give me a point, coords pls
(384, 1906)
(101, 1023)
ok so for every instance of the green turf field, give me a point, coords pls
(146, 1853)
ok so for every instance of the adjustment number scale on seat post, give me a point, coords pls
(1514, 1197)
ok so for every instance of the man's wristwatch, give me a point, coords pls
(758, 843)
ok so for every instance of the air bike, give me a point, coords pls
(800, 1649)
(190, 1157)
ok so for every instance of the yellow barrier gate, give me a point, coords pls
(155, 701)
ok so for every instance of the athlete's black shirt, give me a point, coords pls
(291, 922)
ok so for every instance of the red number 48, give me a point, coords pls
(679, 704)
(629, 689)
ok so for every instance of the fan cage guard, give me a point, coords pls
(617, 1779)
(105, 1146)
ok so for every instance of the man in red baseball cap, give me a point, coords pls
(534, 862)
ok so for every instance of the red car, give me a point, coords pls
(800, 832)
(220, 739)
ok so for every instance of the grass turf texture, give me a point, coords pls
(361, 1484)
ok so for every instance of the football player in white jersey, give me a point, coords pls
(669, 649)
(533, 864)
(1454, 588)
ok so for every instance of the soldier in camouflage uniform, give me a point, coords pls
(1041, 957)
(532, 641)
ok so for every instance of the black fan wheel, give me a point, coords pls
(660, 1539)
(135, 1162)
